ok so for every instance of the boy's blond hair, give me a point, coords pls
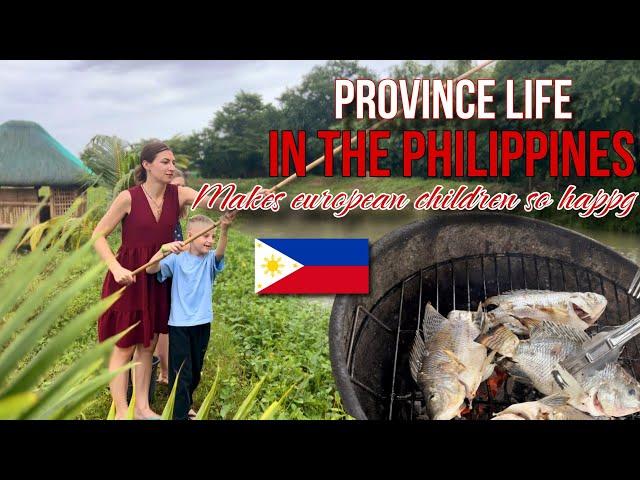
(199, 219)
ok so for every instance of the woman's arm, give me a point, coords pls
(186, 197)
(118, 209)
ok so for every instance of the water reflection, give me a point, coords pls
(374, 225)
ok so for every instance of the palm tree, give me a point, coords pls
(113, 160)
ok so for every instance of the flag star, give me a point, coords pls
(271, 266)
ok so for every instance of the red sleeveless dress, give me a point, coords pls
(146, 301)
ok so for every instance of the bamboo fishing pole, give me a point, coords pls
(318, 161)
(186, 242)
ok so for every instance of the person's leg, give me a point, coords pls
(118, 386)
(180, 361)
(144, 356)
(162, 352)
(199, 343)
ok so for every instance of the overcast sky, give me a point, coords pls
(74, 100)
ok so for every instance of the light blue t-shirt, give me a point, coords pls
(191, 287)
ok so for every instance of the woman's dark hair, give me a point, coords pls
(148, 153)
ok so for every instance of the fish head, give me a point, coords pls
(617, 397)
(444, 399)
(588, 306)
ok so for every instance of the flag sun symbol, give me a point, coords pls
(272, 265)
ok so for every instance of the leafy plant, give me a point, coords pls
(79, 229)
(113, 160)
(244, 409)
(26, 319)
(203, 413)
(167, 412)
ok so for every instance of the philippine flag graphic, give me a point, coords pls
(312, 265)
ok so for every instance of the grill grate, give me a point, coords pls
(462, 283)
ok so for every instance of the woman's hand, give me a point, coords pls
(123, 276)
(172, 247)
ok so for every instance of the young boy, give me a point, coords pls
(193, 271)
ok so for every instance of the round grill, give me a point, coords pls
(455, 262)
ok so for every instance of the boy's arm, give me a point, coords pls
(166, 249)
(225, 222)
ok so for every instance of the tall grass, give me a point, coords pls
(251, 335)
(28, 315)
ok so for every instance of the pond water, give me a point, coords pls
(370, 225)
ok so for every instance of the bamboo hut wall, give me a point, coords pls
(62, 199)
(14, 202)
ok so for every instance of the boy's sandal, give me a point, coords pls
(192, 414)
(163, 380)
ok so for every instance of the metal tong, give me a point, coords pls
(599, 350)
(634, 289)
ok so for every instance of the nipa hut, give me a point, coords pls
(30, 158)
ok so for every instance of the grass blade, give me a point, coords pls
(32, 334)
(13, 406)
(85, 392)
(16, 283)
(203, 411)
(10, 242)
(38, 367)
(247, 404)
(24, 275)
(78, 380)
(274, 408)
(167, 412)
(69, 378)
(112, 411)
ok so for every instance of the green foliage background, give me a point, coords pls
(284, 338)
(605, 95)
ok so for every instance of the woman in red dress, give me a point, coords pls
(149, 213)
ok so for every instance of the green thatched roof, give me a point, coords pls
(30, 156)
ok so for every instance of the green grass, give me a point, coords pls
(284, 338)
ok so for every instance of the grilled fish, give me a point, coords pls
(446, 363)
(576, 309)
(548, 408)
(608, 391)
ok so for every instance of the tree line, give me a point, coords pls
(605, 96)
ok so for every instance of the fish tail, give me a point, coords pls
(555, 400)
(500, 339)
(488, 366)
